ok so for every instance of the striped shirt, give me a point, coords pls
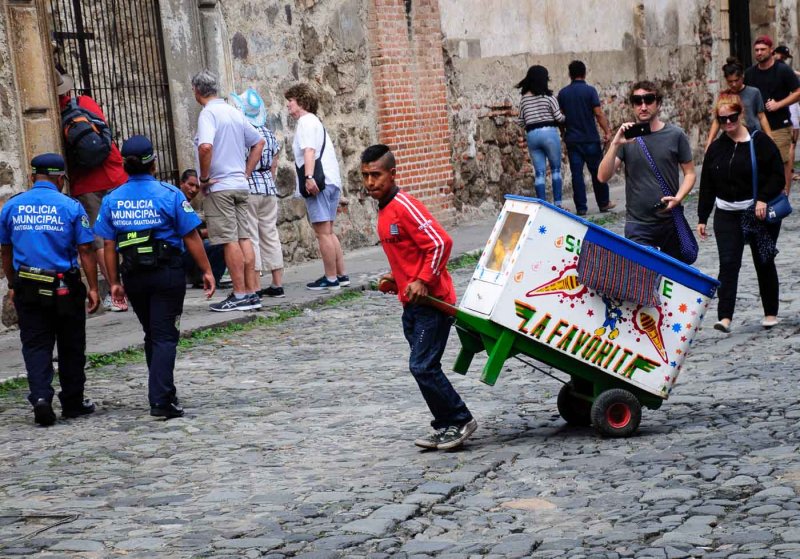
(261, 182)
(539, 109)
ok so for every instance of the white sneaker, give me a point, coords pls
(109, 305)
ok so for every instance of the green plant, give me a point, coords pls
(13, 385)
(466, 260)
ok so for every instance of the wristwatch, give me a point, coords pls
(311, 177)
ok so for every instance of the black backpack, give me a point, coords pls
(87, 136)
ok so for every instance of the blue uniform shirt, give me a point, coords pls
(578, 101)
(45, 228)
(146, 203)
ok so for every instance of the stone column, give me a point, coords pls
(216, 44)
(185, 56)
(34, 77)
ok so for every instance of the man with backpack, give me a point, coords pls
(94, 163)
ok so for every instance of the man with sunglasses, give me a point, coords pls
(647, 219)
(780, 88)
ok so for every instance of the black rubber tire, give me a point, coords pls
(575, 411)
(616, 413)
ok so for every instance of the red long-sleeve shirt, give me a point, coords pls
(104, 177)
(416, 246)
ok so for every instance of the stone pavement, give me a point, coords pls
(298, 443)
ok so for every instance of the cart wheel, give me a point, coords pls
(616, 413)
(574, 410)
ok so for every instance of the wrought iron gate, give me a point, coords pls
(114, 50)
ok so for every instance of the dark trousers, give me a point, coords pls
(661, 235)
(590, 154)
(216, 257)
(730, 244)
(426, 330)
(157, 299)
(42, 328)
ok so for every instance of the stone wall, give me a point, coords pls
(325, 44)
(670, 42)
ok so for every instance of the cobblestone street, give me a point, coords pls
(298, 443)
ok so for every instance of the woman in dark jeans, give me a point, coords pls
(726, 184)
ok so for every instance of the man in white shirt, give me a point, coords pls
(223, 135)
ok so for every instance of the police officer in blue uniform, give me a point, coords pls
(42, 233)
(148, 223)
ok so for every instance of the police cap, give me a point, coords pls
(48, 164)
(140, 147)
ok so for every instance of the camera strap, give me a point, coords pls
(688, 244)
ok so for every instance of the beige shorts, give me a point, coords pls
(226, 216)
(91, 203)
(783, 139)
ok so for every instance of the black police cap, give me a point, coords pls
(48, 164)
(140, 147)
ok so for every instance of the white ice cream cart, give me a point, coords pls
(623, 347)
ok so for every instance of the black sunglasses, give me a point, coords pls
(733, 117)
(647, 99)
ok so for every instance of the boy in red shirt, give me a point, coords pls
(417, 248)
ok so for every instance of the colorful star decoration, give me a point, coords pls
(673, 364)
(590, 312)
(543, 230)
(683, 307)
(676, 328)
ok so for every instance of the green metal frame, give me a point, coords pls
(478, 334)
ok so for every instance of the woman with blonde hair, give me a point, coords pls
(740, 207)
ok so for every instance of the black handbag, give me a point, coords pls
(319, 174)
(777, 208)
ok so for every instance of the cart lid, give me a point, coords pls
(648, 257)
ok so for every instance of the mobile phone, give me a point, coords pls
(659, 205)
(638, 129)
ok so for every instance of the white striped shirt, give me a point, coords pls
(539, 109)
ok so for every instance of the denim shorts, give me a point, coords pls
(323, 206)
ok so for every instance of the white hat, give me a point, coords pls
(64, 84)
(252, 105)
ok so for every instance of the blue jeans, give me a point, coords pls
(591, 154)
(426, 330)
(544, 144)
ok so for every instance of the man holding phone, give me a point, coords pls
(647, 214)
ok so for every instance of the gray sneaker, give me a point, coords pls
(454, 436)
(430, 441)
(231, 303)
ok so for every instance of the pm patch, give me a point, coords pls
(394, 229)
(85, 221)
(187, 207)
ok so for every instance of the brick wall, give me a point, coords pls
(411, 96)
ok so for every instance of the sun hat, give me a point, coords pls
(64, 84)
(252, 105)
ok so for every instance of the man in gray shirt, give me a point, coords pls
(645, 222)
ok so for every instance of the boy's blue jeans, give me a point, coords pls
(427, 330)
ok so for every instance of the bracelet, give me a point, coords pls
(205, 179)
